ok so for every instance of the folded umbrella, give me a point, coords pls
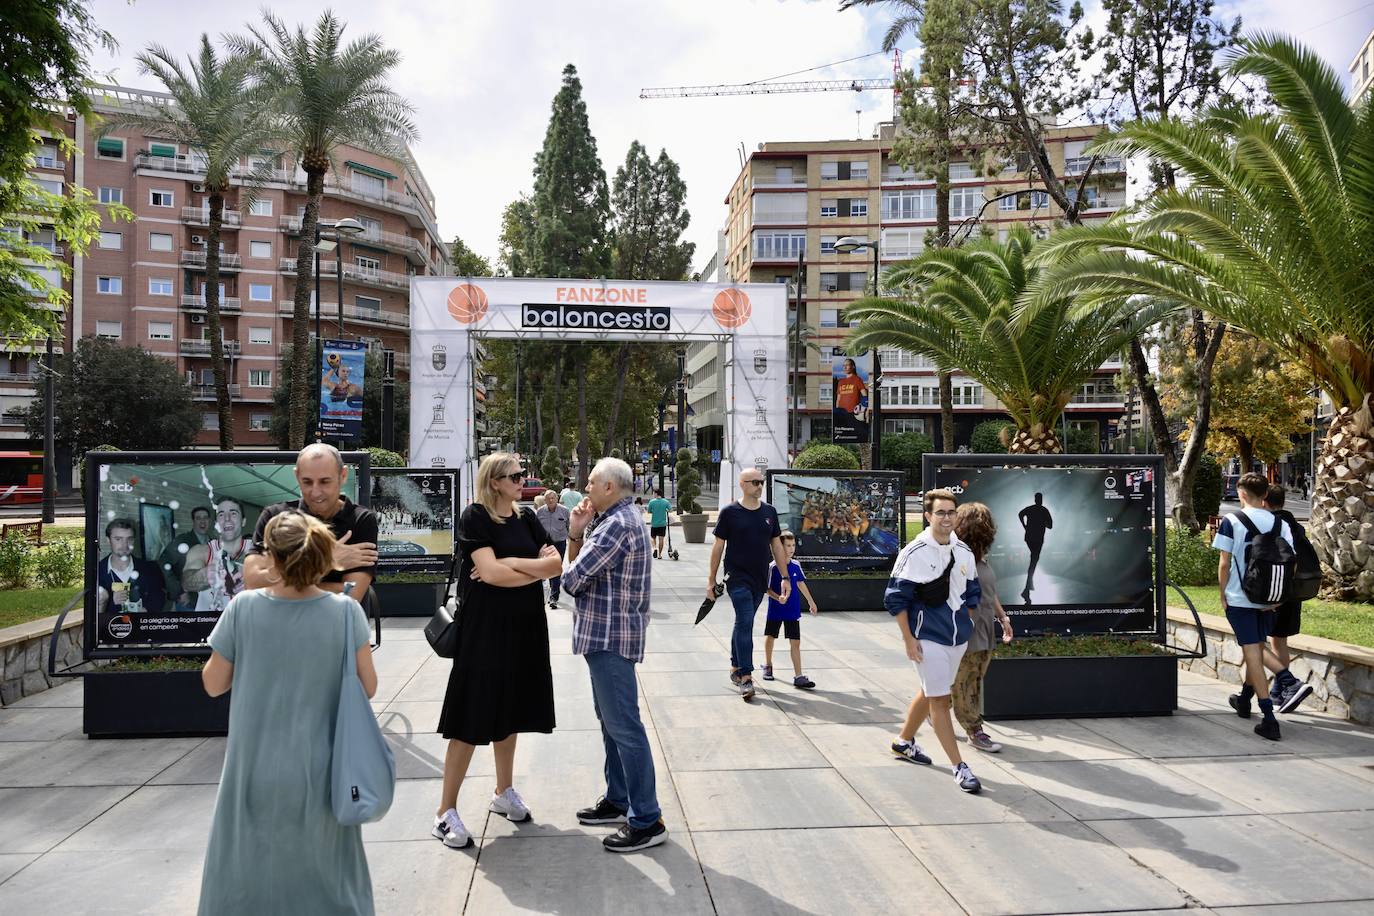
(708, 604)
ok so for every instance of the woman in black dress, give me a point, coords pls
(501, 683)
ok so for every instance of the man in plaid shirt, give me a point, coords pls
(608, 571)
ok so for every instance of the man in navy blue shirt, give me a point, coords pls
(747, 533)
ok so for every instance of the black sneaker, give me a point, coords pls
(1240, 703)
(603, 812)
(966, 780)
(1268, 728)
(910, 751)
(633, 839)
(1293, 695)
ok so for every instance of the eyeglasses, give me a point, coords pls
(517, 477)
(945, 513)
(756, 482)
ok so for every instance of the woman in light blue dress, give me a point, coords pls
(275, 846)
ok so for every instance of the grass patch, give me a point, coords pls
(1344, 621)
(20, 605)
(1077, 646)
(156, 663)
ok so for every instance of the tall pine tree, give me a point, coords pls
(571, 203)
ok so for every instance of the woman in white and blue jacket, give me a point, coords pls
(934, 584)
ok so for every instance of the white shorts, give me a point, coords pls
(938, 665)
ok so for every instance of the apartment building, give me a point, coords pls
(143, 283)
(799, 198)
(1362, 70)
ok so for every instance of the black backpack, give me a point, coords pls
(1269, 564)
(1307, 577)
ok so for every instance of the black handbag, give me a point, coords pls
(444, 630)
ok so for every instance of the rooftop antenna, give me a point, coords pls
(858, 124)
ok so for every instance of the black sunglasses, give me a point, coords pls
(517, 477)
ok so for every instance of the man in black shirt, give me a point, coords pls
(320, 474)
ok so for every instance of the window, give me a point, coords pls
(368, 302)
(965, 202)
(111, 241)
(913, 204)
(904, 425)
(830, 171)
(260, 249)
(858, 169)
(260, 292)
(112, 285)
(844, 282)
(43, 238)
(259, 422)
(160, 241)
(785, 245)
(45, 156)
(51, 185)
(260, 207)
(259, 378)
(825, 392)
(221, 291)
(830, 208)
(370, 185)
(1009, 203)
(159, 330)
(830, 318)
(168, 150)
(368, 265)
(158, 286)
(109, 148)
(209, 421)
(112, 195)
(903, 243)
(259, 335)
(1039, 200)
(372, 228)
(828, 243)
(51, 275)
(858, 207)
(779, 208)
(783, 174)
(160, 198)
(958, 170)
(111, 330)
(896, 173)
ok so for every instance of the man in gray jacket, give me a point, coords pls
(555, 518)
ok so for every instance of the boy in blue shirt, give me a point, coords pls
(785, 613)
(658, 521)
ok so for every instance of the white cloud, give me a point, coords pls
(482, 76)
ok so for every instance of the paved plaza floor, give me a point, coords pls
(789, 805)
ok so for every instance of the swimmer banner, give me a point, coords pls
(341, 390)
(416, 508)
(167, 534)
(844, 520)
(1076, 549)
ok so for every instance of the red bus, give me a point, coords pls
(21, 477)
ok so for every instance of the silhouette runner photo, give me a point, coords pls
(1036, 520)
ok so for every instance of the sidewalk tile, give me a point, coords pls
(157, 881)
(36, 820)
(919, 795)
(80, 762)
(154, 817)
(1092, 790)
(758, 799)
(419, 876)
(1349, 832)
(1278, 785)
(706, 712)
(749, 747)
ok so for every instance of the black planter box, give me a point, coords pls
(409, 599)
(847, 594)
(151, 704)
(1055, 688)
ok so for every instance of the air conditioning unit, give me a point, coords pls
(197, 319)
(197, 240)
(832, 289)
(198, 187)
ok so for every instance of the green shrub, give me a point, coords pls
(903, 452)
(688, 484)
(58, 564)
(81, 467)
(985, 441)
(384, 458)
(551, 468)
(1207, 488)
(16, 558)
(826, 457)
(1082, 441)
(1078, 646)
(1189, 558)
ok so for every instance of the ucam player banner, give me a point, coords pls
(449, 315)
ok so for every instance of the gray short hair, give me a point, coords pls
(613, 470)
(316, 449)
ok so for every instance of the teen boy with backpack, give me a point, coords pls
(1287, 691)
(1256, 559)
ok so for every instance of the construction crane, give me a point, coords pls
(765, 87)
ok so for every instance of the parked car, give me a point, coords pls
(532, 489)
(1228, 486)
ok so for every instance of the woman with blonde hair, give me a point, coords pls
(275, 845)
(501, 683)
(975, 527)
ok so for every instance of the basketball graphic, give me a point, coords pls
(731, 308)
(467, 303)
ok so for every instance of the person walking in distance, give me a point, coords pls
(747, 535)
(1287, 691)
(501, 682)
(275, 845)
(658, 521)
(974, 526)
(934, 584)
(1250, 620)
(608, 574)
(554, 516)
(1035, 521)
(570, 497)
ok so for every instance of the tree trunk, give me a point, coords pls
(947, 412)
(1246, 448)
(537, 445)
(305, 369)
(1039, 439)
(582, 444)
(558, 400)
(622, 363)
(1342, 525)
(212, 323)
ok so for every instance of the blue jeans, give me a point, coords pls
(562, 548)
(629, 762)
(746, 602)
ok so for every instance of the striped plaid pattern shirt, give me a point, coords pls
(610, 580)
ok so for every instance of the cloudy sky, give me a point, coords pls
(482, 73)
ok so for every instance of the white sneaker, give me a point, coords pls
(510, 805)
(449, 828)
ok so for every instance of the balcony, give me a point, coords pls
(1105, 166)
(330, 315)
(196, 258)
(207, 392)
(197, 303)
(19, 378)
(182, 165)
(1101, 398)
(202, 347)
(200, 216)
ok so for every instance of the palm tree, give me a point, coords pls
(214, 111)
(961, 312)
(325, 95)
(1273, 232)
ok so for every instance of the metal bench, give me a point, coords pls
(31, 531)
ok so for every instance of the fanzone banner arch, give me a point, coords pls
(448, 312)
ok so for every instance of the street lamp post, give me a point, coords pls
(848, 245)
(329, 236)
(796, 356)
